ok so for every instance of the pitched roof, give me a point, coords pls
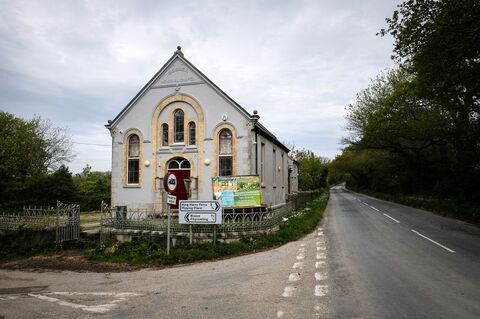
(178, 54)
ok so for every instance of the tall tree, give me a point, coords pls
(439, 42)
(313, 170)
(28, 151)
(93, 188)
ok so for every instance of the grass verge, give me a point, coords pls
(90, 217)
(441, 206)
(143, 252)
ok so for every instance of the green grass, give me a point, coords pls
(146, 252)
(91, 217)
(441, 206)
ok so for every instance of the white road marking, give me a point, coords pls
(321, 248)
(320, 233)
(433, 241)
(298, 265)
(288, 291)
(317, 308)
(9, 298)
(102, 308)
(301, 250)
(280, 314)
(365, 204)
(321, 256)
(320, 276)
(319, 264)
(391, 218)
(319, 243)
(321, 290)
(319, 228)
(300, 256)
(294, 276)
(374, 208)
(302, 245)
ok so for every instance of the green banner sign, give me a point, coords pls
(238, 191)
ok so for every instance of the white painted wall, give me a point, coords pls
(293, 167)
(179, 78)
(275, 175)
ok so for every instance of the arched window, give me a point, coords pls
(164, 134)
(225, 159)
(133, 159)
(179, 163)
(191, 133)
(178, 118)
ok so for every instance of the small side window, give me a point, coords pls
(164, 134)
(133, 160)
(225, 156)
(191, 133)
(179, 129)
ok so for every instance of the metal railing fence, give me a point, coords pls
(64, 219)
(234, 220)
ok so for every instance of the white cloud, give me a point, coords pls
(80, 62)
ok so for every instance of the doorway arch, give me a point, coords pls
(180, 167)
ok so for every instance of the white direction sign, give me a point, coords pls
(171, 199)
(200, 212)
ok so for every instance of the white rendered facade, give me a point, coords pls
(180, 88)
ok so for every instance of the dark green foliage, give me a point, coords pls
(439, 42)
(32, 172)
(31, 154)
(26, 242)
(313, 170)
(47, 189)
(148, 252)
(416, 130)
(92, 188)
(21, 157)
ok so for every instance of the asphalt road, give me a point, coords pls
(287, 282)
(363, 261)
(392, 261)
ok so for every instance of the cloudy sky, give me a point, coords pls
(299, 63)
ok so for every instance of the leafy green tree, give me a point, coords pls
(438, 42)
(93, 187)
(313, 170)
(46, 189)
(416, 129)
(22, 152)
(29, 150)
(370, 100)
(369, 169)
(399, 134)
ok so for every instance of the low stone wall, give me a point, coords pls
(238, 223)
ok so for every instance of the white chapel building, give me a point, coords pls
(182, 123)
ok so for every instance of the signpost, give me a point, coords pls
(171, 199)
(170, 184)
(200, 212)
(207, 212)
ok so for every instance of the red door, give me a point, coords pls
(180, 190)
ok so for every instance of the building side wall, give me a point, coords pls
(293, 177)
(274, 177)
